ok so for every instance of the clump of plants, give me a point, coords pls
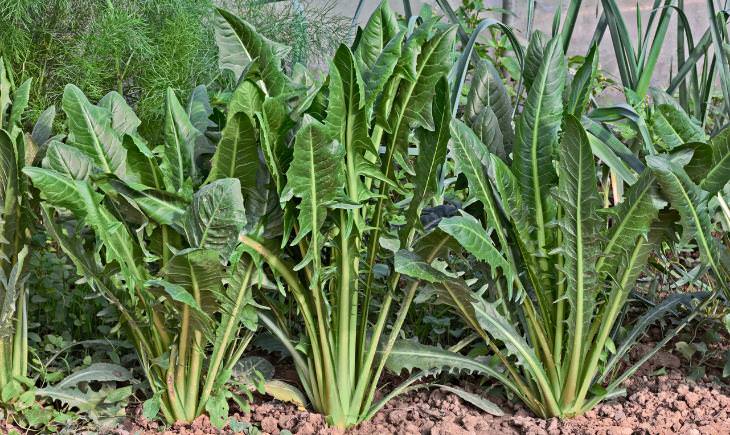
(157, 237)
(323, 207)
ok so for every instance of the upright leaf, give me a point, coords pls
(236, 155)
(578, 195)
(537, 136)
(432, 152)
(124, 120)
(178, 152)
(316, 176)
(241, 47)
(90, 130)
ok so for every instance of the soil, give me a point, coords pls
(660, 400)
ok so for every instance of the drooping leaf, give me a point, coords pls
(480, 402)
(100, 372)
(717, 175)
(409, 355)
(691, 203)
(475, 240)
(410, 264)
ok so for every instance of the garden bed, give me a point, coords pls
(660, 399)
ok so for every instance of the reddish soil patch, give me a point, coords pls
(665, 404)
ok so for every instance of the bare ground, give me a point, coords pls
(654, 404)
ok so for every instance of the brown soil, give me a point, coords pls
(654, 404)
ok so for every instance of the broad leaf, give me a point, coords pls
(124, 120)
(68, 161)
(215, 216)
(91, 132)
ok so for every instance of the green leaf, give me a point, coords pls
(20, 103)
(474, 239)
(580, 226)
(199, 109)
(161, 206)
(488, 91)
(151, 407)
(215, 216)
(501, 329)
(247, 98)
(691, 203)
(583, 84)
(376, 75)
(673, 127)
(472, 159)
(717, 174)
(241, 47)
(381, 28)
(68, 161)
(58, 189)
(100, 372)
(90, 131)
(316, 176)
(537, 136)
(534, 58)
(43, 128)
(632, 218)
(124, 120)
(178, 152)
(431, 152)
(409, 355)
(217, 408)
(480, 402)
(236, 155)
(410, 264)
